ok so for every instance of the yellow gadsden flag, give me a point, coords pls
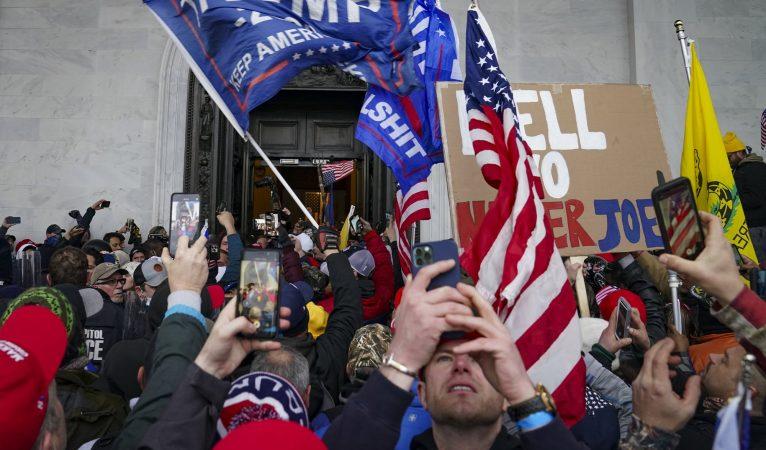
(705, 164)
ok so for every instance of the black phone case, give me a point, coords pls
(659, 193)
(441, 251)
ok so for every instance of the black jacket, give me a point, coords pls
(636, 281)
(103, 330)
(750, 177)
(327, 355)
(372, 419)
(6, 260)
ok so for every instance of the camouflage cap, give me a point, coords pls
(367, 348)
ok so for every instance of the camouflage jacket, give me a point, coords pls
(644, 437)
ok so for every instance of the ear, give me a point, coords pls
(140, 377)
(48, 278)
(422, 395)
(307, 395)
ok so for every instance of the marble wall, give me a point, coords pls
(81, 87)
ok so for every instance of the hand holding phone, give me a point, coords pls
(105, 204)
(184, 218)
(623, 319)
(427, 253)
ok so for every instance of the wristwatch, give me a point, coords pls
(542, 401)
(389, 361)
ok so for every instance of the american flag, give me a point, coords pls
(409, 209)
(763, 130)
(334, 172)
(513, 255)
(682, 228)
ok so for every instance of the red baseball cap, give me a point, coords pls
(609, 296)
(281, 434)
(32, 344)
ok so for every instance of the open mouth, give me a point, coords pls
(462, 388)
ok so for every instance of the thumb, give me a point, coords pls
(678, 264)
(692, 391)
(166, 259)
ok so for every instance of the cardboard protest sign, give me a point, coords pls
(597, 147)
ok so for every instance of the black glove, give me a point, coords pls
(326, 239)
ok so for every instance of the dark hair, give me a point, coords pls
(98, 244)
(138, 249)
(114, 234)
(153, 247)
(97, 256)
(10, 237)
(69, 265)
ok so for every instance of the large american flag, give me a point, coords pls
(513, 256)
(336, 171)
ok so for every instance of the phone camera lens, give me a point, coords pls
(419, 261)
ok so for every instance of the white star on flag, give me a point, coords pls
(346, 45)
(484, 81)
(309, 52)
(487, 99)
(482, 61)
(335, 47)
(296, 56)
(490, 55)
(492, 68)
(494, 86)
(441, 32)
(323, 49)
(480, 43)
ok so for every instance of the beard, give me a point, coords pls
(463, 414)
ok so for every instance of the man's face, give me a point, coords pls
(138, 257)
(722, 373)
(455, 391)
(735, 158)
(91, 264)
(112, 286)
(115, 243)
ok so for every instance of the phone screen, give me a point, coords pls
(258, 298)
(679, 220)
(184, 218)
(623, 318)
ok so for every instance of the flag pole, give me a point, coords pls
(681, 32)
(673, 281)
(281, 180)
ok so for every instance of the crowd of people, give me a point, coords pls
(126, 346)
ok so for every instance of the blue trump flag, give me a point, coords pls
(404, 131)
(244, 51)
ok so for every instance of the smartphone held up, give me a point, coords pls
(678, 218)
(184, 218)
(258, 298)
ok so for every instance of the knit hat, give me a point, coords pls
(261, 396)
(269, 434)
(367, 348)
(318, 318)
(362, 262)
(292, 298)
(608, 298)
(23, 245)
(732, 144)
(29, 359)
(48, 297)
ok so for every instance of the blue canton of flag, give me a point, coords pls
(244, 51)
(404, 131)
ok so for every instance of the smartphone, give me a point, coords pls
(258, 298)
(355, 224)
(105, 204)
(427, 253)
(678, 218)
(213, 252)
(623, 319)
(737, 255)
(13, 220)
(184, 218)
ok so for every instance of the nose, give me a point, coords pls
(461, 363)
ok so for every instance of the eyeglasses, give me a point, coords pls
(112, 282)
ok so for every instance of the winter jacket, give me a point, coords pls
(327, 354)
(103, 329)
(380, 303)
(231, 274)
(179, 340)
(189, 420)
(291, 265)
(746, 316)
(750, 177)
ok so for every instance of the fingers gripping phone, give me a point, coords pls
(184, 218)
(258, 298)
(623, 319)
(427, 253)
(678, 218)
